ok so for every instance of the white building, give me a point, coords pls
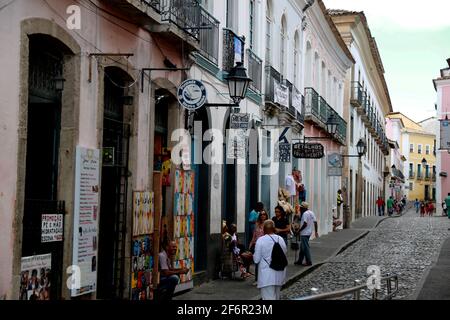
(369, 103)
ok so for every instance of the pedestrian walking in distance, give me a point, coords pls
(417, 205)
(306, 230)
(270, 280)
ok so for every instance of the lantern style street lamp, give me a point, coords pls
(332, 125)
(238, 83)
(361, 147)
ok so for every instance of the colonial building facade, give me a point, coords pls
(367, 103)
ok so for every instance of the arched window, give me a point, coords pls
(309, 66)
(283, 47)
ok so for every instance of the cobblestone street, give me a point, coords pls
(407, 246)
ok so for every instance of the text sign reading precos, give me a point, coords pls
(308, 151)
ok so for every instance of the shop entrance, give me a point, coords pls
(46, 59)
(202, 199)
(115, 173)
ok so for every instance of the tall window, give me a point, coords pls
(296, 58)
(252, 23)
(419, 149)
(419, 170)
(411, 170)
(283, 46)
(309, 65)
(411, 148)
(231, 14)
(427, 149)
(352, 123)
(269, 33)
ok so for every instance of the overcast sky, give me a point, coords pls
(414, 41)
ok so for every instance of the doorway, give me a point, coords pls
(115, 173)
(46, 62)
(202, 199)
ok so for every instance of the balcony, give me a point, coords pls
(254, 70)
(312, 105)
(272, 97)
(317, 110)
(358, 95)
(233, 49)
(365, 116)
(419, 176)
(412, 175)
(298, 101)
(209, 38)
(427, 176)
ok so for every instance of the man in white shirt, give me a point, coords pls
(270, 281)
(307, 222)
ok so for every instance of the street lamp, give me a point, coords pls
(332, 125)
(361, 147)
(238, 83)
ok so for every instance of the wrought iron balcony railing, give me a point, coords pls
(323, 110)
(255, 67)
(185, 14)
(233, 49)
(291, 109)
(358, 94)
(311, 102)
(155, 4)
(209, 36)
(272, 77)
(298, 101)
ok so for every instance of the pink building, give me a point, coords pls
(442, 86)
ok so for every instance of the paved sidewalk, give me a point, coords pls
(437, 284)
(322, 249)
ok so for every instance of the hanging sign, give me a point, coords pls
(284, 152)
(297, 100)
(308, 151)
(445, 134)
(192, 94)
(240, 121)
(281, 94)
(335, 165)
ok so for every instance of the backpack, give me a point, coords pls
(279, 260)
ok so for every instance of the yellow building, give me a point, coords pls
(419, 148)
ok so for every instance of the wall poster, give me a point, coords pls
(35, 277)
(184, 224)
(85, 234)
(142, 250)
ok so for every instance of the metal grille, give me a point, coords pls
(209, 36)
(254, 70)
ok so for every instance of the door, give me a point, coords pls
(114, 188)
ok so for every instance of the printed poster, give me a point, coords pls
(35, 277)
(143, 213)
(184, 222)
(142, 258)
(87, 175)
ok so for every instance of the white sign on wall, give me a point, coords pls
(85, 233)
(297, 100)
